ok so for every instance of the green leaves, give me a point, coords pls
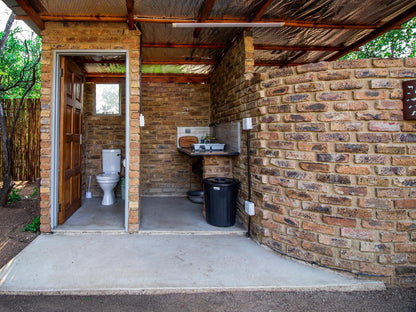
(34, 226)
(16, 63)
(14, 196)
(398, 43)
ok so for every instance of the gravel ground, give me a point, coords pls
(403, 299)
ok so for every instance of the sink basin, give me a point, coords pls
(208, 147)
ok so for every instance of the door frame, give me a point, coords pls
(55, 127)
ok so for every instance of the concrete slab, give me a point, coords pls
(137, 264)
(178, 215)
(94, 217)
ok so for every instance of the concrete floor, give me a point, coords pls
(94, 217)
(175, 251)
(178, 215)
(136, 264)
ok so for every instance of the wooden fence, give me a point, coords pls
(26, 140)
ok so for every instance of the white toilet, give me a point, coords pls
(110, 176)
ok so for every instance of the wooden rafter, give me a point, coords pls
(149, 77)
(85, 61)
(223, 46)
(106, 75)
(178, 62)
(294, 48)
(191, 62)
(104, 79)
(203, 15)
(260, 10)
(183, 45)
(176, 78)
(152, 62)
(398, 20)
(130, 20)
(163, 20)
(30, 11)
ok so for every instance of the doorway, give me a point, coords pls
(79, 136)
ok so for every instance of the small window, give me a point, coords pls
(107, 99)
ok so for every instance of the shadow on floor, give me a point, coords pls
(179, 216)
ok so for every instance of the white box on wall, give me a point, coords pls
(247, 123)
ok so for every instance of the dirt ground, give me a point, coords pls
(14, 217)
(390, 300)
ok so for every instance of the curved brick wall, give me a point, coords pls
(334, 164)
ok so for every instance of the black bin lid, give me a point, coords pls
(221, 181)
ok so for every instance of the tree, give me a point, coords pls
(19, 79)
(397, 43)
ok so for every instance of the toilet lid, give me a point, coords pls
(108, 176)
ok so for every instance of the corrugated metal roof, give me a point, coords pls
(83, 7)
(315, 24)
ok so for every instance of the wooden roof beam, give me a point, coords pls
(106, 75)
(130, 20)
(203, 15)
(260, 10)
(294, 48)
(179, 62)
(30, 11)
(149, 77)
(81, 61)
(398, 20)
(183, 45)
(223, 46)
(163, 20)
(175, 78)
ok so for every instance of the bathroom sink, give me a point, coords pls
(208, 147)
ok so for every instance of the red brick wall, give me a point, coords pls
(166, 106)
(334, 179)
(100, 132)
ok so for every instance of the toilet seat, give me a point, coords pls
(108, 177)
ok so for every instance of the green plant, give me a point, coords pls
(35, 192)
(397, 43)
(34, 226)
(14, 196)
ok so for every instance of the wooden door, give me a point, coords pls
(70, 144)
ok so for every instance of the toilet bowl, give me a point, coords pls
(107, 180)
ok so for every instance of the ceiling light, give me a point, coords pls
(225, 25)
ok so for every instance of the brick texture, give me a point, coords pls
(165, 171)
(344, 193)
(89, 36)
(100, 132)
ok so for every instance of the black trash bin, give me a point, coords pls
(220, 200)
